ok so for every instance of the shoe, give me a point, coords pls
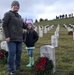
(21, 70)
(12, 73)
(29, 65)
(30, 62)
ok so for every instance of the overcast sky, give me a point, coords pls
(36, 9)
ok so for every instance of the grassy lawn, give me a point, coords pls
(64, 54)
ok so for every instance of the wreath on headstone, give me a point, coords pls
(43, 66)
(70, 33)
(3, 56)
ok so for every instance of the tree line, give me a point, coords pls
(57, 17)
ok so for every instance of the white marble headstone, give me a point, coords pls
(69, 29)
(49, 28)
(1, 36)
(41, 31)
(54, 41)
(52, 26)
(56, 34)
(4, 45)
(49, 52)
(45, 30)
(35, 29)
(65, 25)
(73, 35)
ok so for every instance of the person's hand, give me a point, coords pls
(7, 39)
(24, 30)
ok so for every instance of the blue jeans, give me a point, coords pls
(30, 52)
(14, 55)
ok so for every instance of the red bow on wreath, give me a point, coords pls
(1, 55)
(41, 64)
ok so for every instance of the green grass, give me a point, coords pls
(64, 53)
(57, 21)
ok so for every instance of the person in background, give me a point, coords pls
(13, 29)
(30, 38)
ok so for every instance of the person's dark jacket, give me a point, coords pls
(13, 26)
(30, 38)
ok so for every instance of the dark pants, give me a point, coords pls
(14, 55)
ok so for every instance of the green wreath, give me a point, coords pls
(70, 33)
(3, 56)
(43, 66)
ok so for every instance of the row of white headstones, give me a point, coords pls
(46, 50)
(69, 28)
(49, 50)
(45, 29)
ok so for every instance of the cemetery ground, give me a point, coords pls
(64, 54)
